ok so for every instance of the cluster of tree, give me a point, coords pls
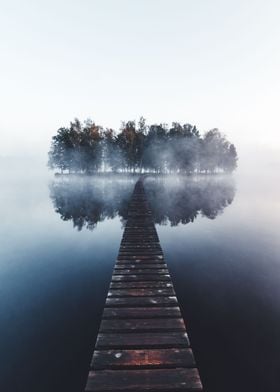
(89, 148)
(86, 203)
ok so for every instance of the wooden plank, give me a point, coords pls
(150, 236)
(136, 237)
(141, 252)
(140, 241)
(142, 325)
(144, 231)
(145, 248)
(140, 278)
(140, 224)
(140, 257)
(150, 230)
(144, 292)
(149, 226)
(153, 312)
(140, 249)
(140, 285)
(133, 226)
(144, 380)
(140, 271)
(141, 301)
(139, 359)
(135, 254)
(142, 340)
(140, 266)
(150, 260)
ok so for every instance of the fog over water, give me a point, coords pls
(209, 63)
(59, 240)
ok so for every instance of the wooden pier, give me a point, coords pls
(142, 343)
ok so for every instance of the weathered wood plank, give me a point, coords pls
(140, 278)
(139, 239)
(137, 245)
(142, 340)
(140, 226)
(141, 301)
(140, 266)
(153, 312)
(144, 380)
(132, 238)
(142, 325)
(140, 271)
(139, 285)
(140, 252)
(150, 231)
(144, 292)
(140, 261)
(137, 359)
(140, 257)
(130, 228)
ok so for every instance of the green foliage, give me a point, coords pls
(156, 148)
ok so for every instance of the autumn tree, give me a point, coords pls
(88, 148)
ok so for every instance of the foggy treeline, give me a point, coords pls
(89, 148)
(86, 202)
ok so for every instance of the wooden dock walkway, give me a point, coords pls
(142, 343)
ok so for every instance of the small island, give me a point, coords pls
(140, 148)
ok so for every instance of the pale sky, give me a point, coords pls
(207, 62)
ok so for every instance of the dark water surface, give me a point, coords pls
(59, 241)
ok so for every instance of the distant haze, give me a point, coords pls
(209, 63)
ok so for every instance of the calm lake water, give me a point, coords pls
(59, 241)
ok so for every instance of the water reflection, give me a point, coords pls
(181, 200)
(87, 201)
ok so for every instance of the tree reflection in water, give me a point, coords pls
(173, 200)
(89, 200)
(180, 200)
